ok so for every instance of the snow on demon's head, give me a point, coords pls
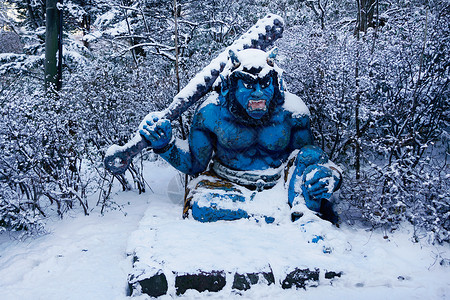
(252, 61)
(251, 85)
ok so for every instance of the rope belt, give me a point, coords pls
(259, 180)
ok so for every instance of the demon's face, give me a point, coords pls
(251, 86)
(254, 94)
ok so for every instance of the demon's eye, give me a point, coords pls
(247, 85)
(266, 82)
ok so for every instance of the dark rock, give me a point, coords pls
(215, 281)
(269, 277)
(243, 282)
(204, 281)
(154, 286)
(300, 278)
(331, 274)
(253, 277)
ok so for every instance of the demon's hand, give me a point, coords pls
(319, 182)
(158, 132)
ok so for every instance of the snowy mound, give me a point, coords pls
(167, 244)
(85, 257)
(307, 253)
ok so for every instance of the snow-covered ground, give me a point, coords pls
(85, 257)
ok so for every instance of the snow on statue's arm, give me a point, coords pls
(193, 157)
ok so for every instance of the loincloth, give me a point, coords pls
(231, 185)
(258, 180)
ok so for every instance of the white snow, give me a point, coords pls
(211, 98)
(295, 104)
(85, 257)
(105, 19)
(256, 58)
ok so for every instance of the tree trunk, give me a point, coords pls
(32, 18)
(177, 57)
(357, 107)
(357, 125)
(60, 50)
(51, 45)
(177, 74)
(366, 9)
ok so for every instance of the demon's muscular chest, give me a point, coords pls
(242, 146)
(247, 147)
(236, 137)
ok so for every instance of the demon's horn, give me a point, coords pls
(271, 57)
(234, 59)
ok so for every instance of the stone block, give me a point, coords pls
(301, 278)
(204, 281)
(154, 286)
(243, 282)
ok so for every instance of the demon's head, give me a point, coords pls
(251, 85)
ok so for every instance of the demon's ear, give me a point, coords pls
(224, 88)
(234, 59)
(271, 57)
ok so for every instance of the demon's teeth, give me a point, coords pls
(257, 104)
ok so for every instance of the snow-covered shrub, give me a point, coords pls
(110, 100)
(400, 73)
(10, 42)
(16, 212)
(407, 143)
(39, 163)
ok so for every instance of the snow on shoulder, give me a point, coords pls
(212, 98)
(295, 105)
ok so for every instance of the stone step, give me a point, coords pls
(171, 255)
(214, 281)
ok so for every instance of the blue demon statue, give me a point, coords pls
(248, 136)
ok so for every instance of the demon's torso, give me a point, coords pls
(244, 147)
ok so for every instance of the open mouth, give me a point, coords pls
(257, 105)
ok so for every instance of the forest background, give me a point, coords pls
(375, 75)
